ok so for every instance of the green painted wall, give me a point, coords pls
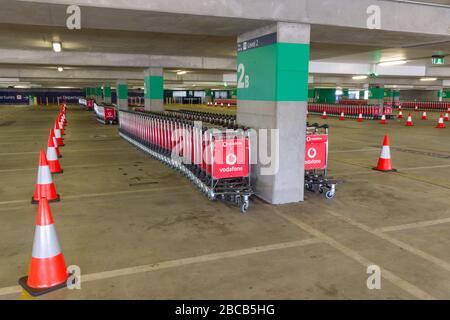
(325, 95)
(277, 72)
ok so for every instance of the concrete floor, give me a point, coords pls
(139, 230)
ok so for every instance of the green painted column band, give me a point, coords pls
(277, 72)
(122, 91)
(107, 91)
(154, 87)
(311, 94)
(376, 93)
(345, 93)
(98, 91)
(440, 93)
(396, 93)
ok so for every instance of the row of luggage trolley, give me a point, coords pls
(216, 158)
(351, 111)
(225, 120)
(105, 114)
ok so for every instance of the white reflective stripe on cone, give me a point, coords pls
(385, 152)
(46, 244)
(57, 133)
(51, 154)
(44, 175)
(55, 144)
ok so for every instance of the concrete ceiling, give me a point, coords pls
(138, 35)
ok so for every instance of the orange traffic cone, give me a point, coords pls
(58, 136)
(409, 123)
(446, 117)
(385, 162)
(383, 119)
(52, 157)
(360, 118)
(441, 124)
(424, 115)
(45, 188)
(61, 126)
(47, 270)
(324, 115)
(55, 144)
(342, 117)
(400, 115)
(400, 107)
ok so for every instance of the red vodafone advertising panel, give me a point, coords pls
(316, 151)
(231, 158)
(110, 113)
(388, 110)
(90, 104)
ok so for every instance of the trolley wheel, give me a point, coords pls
(321, 190)
(329, 195)
(244, 207)
(211, 196)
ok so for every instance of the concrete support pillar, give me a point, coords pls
(345, 94)
(90, 93)
(122, 94)
(154, 89)
(396, 97)
(441, 94)
(272, 94)
(107, 96)
(98, 94)
(376, 95)
(208, 96)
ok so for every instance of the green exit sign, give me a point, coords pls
(437, 60)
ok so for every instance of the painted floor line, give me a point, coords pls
(355, 150)
(427, 167)
(73, 166)
(105, 194)
(180, 262)
(65, 151)
(426, 256)
(414, 225)
(391, 277)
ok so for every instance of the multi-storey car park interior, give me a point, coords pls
(292, 149)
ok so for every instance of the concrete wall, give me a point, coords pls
(419, 95)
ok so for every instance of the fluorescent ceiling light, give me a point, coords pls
(57, 46)
(60, 69)
(181, 72)
(392, 63)
(359, 77)
(428, 79)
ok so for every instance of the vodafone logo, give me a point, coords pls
(231, 159)
(312, 153)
